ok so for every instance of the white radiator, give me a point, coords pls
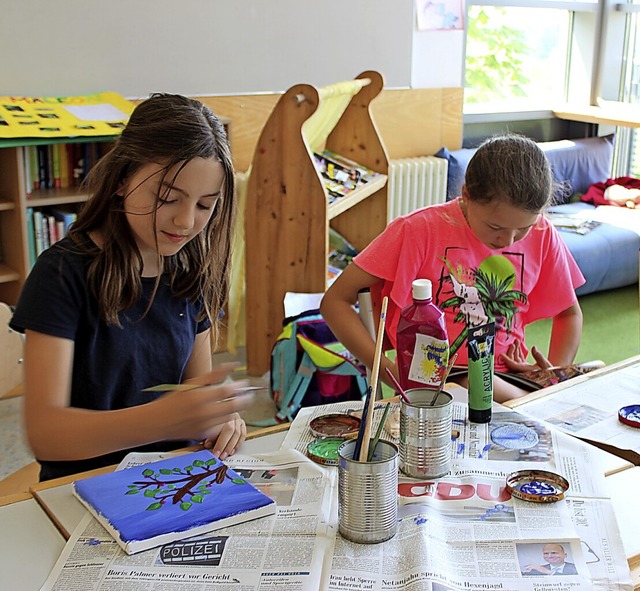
(415, 183)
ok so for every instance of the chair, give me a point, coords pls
(11, 379)
(11, 350)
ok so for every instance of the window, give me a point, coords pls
(524, 57)
(516, 58)
(629, 139)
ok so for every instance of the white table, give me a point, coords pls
(40, 542)
(29, 544)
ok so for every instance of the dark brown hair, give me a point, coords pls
(513, 169)
(169, 130)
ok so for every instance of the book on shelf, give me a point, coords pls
(341, 175)
(53, 232)
(33, 166)
(37, 231)
(100, 114)
(46, 237)
(55, 165)
(45, 226)
(43, 166)
(64, 215)
(182, 496)
(60, 166)
(31, 237)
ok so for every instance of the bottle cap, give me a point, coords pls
(537, 486)
(630, 415)
(324, 450)
(421, 289)
(335, 425)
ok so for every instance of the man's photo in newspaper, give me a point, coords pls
(547, 559)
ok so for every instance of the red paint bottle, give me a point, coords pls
(422, 342)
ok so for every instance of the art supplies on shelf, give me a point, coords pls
(341, 175)
(100, 114)
(183, 496)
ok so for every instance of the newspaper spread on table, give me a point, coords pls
(283, 551)
(589, 409)
(460, 532)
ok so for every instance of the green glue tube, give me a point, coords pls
(480, 348)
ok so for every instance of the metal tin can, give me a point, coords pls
(425, 433)
(368, 494)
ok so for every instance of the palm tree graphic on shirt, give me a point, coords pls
(482, 295)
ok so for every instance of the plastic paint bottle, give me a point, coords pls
(422, 342)
(480, 348)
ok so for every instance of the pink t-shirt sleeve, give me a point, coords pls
(559, 277)
(384, 258)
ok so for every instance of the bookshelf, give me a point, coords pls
(15, 200)
(288, 214)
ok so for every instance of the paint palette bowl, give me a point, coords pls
(537, 486)
(324, 450)
(630, 415)
(335, 425)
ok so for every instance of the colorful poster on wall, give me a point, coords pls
(100, 114)
(439, 15)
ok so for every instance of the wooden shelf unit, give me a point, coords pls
(14, 244)
(288, 214)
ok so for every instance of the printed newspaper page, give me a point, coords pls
(464, 531)
(509, 437)
(589, 409)
(285, 551)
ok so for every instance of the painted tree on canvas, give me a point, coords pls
(182, 486)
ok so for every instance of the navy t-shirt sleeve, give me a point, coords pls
(53, 297)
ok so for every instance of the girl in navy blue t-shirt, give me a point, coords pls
(128, 300)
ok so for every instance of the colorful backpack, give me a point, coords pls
(309, 366)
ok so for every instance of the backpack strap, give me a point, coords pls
(292, 398)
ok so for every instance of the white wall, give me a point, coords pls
(135, 47)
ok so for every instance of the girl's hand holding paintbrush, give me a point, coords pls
(208, 412)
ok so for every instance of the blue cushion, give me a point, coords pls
(458, 161)
(607, 255)
(576, 164)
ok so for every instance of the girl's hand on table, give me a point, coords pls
(229, 438)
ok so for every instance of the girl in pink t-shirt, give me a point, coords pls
(490, 254)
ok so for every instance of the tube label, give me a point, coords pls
(480, 348)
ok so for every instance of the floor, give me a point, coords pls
(15, 453)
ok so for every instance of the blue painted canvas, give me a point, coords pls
(175, 498)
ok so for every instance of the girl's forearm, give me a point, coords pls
(75, 433)
(67, 433)
(566, 333)
(349, 329)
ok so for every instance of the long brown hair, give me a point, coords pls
(169, 130)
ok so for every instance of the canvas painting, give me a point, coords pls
(182, 496)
